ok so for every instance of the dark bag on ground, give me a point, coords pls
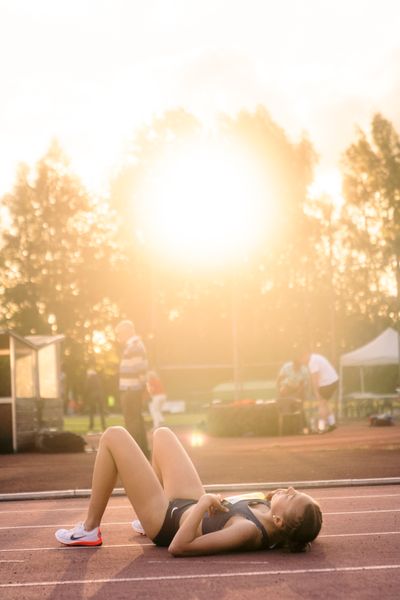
(381, 420)
(60, 441)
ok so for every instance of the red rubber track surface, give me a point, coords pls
(357, 555)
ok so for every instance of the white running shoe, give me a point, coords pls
(78, 536)
(138, 527)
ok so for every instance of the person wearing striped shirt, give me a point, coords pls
(132, 381)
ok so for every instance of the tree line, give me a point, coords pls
(74, 263)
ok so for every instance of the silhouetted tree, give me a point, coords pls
(371, 172)
(60, 257)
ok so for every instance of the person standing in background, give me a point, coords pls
(324, 381)
(293, 379)
(292, 387)
(158, 397)
(94, 396)
(132, 381)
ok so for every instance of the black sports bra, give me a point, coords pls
(217, 521)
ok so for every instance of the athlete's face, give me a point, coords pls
(289, 504)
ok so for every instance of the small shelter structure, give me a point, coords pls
(30, 388)
(383, 350)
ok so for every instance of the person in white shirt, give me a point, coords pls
(324, 381)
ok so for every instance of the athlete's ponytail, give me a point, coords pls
(298, 535)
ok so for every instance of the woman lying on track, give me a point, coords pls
(169, 499)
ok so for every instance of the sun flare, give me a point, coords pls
(207, 204)
(327, 183)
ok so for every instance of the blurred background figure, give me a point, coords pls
(324, 382)
(293, 384)
(132, 381)
(293, 380)
(158, 397)
(94, 396)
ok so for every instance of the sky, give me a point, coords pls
(90, 72)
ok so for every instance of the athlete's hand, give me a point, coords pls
(212, 503)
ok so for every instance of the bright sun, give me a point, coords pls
(206, 204)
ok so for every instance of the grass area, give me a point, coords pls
(80, 423)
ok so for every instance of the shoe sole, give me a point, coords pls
(95, 543)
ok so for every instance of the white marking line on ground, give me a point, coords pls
(46, 510)
(355, 512)
(360, 512)
(321, 571)
(106, 546)
(11, 561)
(76, 548)
(217, 562)
(129, 507)
(369, 496)
(368, 533)
(60, 526)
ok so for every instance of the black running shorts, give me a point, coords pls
(175, 510)
(327, 391)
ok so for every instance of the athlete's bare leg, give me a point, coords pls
(173, 466)
(119, 454)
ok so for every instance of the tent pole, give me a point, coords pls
(398, 359)
(340, 390)
(398, 310)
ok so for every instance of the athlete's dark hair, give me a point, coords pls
(305, 530)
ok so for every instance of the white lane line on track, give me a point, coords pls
(107, 546)
(360, 512)
(60, 526)
(76, 548)
(368, 533)
(129, 507)
(355, 512)
(322, 571)
(46, 510)
(369, 496)
(206, 561)
(12, 561)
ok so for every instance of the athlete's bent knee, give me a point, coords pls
(162, 435)
(161, 432)
(112, 433)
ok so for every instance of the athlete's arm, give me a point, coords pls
(240, 534)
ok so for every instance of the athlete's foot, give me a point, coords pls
(79, 536)
(138, 527)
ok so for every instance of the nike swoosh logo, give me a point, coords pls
(172, 511)
(77, 537)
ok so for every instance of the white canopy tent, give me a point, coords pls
(383, 350)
